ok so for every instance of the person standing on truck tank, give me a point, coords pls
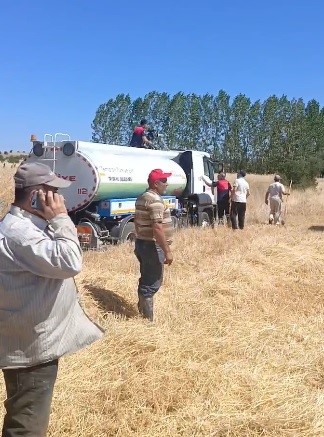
(139, 138)
(154, 232)
(40, 318)
(240, 192)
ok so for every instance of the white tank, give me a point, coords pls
(102, 171)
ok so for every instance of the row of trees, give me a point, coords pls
(277, 135)
(13, 159)
(12, 152)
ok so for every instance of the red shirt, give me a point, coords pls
(137, 138)
(223, 188)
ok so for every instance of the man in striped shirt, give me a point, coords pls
(154, 231)
(40, 317)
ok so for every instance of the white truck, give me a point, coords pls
(107, 179)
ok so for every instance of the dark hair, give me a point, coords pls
(22, 194)
(143, 121)
(242, 173)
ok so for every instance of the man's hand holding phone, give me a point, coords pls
(49, 204)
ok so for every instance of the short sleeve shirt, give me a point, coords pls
(137, 137)
(241, 189)
(223, 189)
(150, 209)
(276, 190)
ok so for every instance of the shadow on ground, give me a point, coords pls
(316, 228)
(111, 302)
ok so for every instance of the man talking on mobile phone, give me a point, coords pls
(40, 317)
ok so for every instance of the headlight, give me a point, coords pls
(68, 149)
(38, 149)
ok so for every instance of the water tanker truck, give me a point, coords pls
(107, 179)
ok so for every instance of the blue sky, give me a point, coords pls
(61, 59)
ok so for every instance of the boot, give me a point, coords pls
(145, 307)
(140, 304)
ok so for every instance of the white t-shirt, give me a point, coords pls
(241, 189)
(276, 190)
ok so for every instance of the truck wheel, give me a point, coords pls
(128, 233)
(204, 220)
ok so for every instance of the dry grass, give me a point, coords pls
(236, 349)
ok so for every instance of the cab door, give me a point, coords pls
(186, 163)
(210, 173)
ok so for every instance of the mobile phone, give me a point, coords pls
(35, 202)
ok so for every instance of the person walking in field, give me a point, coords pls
(40, 317)
(154, 232)
(239, 195)
(273, 196)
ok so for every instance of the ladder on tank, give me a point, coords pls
(50, 145)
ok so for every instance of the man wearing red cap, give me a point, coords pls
(154, 231)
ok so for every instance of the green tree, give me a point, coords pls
(178, 114)
(222, 125)
(191, 128)
(237, 137)
(111, 122)
(265, 137)
(13, 159)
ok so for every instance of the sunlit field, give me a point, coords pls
(236, 348)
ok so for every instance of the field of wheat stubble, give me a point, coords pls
(236, 348)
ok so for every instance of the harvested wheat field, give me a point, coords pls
(236, 348)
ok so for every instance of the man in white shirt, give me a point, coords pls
(274, 194)
(240, 192)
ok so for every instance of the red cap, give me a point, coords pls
(157, 174)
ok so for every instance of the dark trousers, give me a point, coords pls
(29, 397)
(223, 207)
(238, 214)
(151, 258)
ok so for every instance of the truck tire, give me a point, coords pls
(128, 233)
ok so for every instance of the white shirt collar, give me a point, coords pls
(37, 221)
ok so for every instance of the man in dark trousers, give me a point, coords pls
(223, 195)
(240, 192)
(154, 231)
(139, 138)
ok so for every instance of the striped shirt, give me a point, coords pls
(149, 209)
(40, 316)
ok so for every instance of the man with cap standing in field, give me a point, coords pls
(40, 317)
(240, 192)
(154, 231)
(273, 196)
